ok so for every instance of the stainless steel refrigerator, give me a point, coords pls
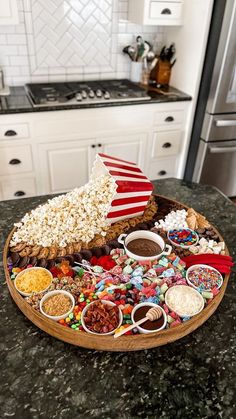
(212, 152)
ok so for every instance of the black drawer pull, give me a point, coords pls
(169, 119)
(14, 161)
(166, 145)
(99, 145)
(10, 133)
(162, 173)
(19, 193)
(166, 11)
(93, 145)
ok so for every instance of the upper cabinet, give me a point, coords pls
(9, 12)
(155, 12)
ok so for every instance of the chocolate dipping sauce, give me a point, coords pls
(141, 313)
(144, 247)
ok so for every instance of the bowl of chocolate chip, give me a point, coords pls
(144, 245)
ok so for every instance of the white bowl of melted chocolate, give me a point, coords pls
(144, 245)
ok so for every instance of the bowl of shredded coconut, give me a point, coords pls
(184, 300)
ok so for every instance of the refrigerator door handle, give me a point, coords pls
(226, 123)
(222, 150)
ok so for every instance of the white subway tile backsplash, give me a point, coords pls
(70, 40)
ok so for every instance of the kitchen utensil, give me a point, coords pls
(153, 313)
(150, 56)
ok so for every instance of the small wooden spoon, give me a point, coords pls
(153, 313)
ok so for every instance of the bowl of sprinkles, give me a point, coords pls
(184, 237)
(101, 317)
(57, 305)
(204, 277)
(33, 280)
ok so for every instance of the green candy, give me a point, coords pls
(207, 294)
(128, 322)
(95, 297)
(162, 298)
(127, 270)
(126, 316)
(80, 273)
(87, 301)
(73, 326)
(128, 286)
(81, 300)
(164, 288)
(71, 316)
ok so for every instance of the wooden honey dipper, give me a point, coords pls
(152, 314)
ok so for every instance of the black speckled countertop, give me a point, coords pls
(194, 377)
(18, 102)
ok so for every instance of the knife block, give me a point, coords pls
(163, 72)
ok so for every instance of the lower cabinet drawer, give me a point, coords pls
(167, 119)
(14, 160)
(18, 188)
(166, 143)
(14, 131)
(163, 168)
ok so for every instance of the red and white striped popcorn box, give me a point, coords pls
(133, 187)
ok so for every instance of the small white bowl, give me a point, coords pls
(182, 245)
(143, 234)
(146, 331)
(50, 294)
(110, 303)
(179, 300)
(25, 294)
(191, 268)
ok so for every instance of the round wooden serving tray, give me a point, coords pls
(108, 343)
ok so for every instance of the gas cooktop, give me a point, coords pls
(84, 93)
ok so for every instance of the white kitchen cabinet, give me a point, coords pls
(20, 187)
(131, 147)
(64, 165)
(55, 151)
(155, 12)
(15, 159)
(9, 12)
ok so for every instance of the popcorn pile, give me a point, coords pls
(76, 216)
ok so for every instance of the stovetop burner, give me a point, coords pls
(84, 93)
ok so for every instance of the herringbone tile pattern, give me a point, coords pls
(71, 33)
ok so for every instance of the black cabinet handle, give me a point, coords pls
(19, 193)
(14, 161)
(169, 119)
(166, 145)
(10, 133)
(99, 145)
(166, 11)
(162, 173)
(93, 145)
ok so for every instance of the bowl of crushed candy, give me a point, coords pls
(57, 305)
(33, 281)
(101, 317)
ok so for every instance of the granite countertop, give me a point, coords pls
(194, 377)
(18, 101)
